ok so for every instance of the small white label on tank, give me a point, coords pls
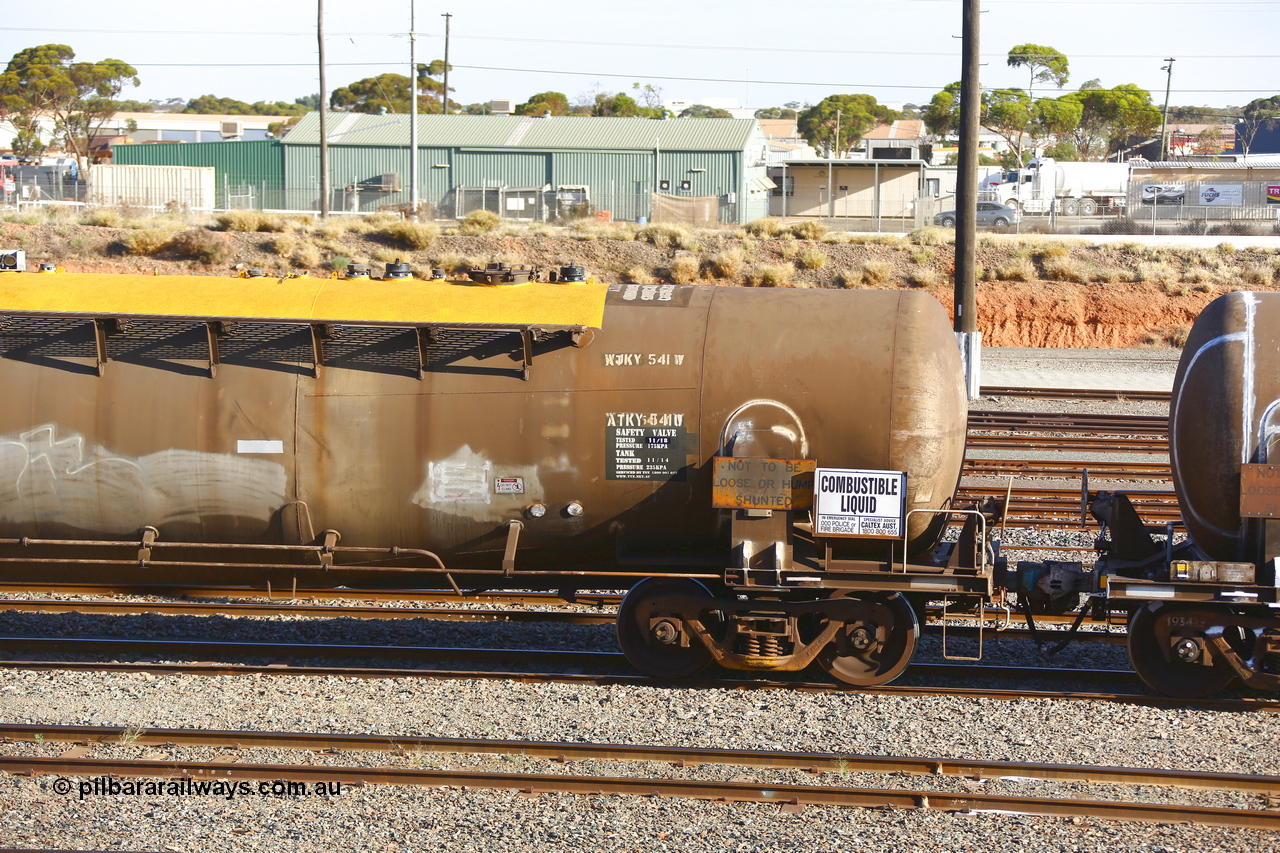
(259, 446)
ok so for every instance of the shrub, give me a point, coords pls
(809, 229)
(339, 263)
(385, 254)
(477, 222)
(147, 241)
(813, 258)
(411, 235)
(923, 255)
(1018, 269)
(589, 229)
(102, 217)
(789, 250)
(764, 228)
(685, 269)
(664, 234)
(202, 245)
(1225, 249)
(239, 220)
(728, 264)
(1055, 250)
(450, 262)
(331, 230)
(638, 275)
(1119, 226)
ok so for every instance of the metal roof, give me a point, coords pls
(1205, 165)
(531, 132)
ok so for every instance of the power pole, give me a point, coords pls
(1164, 126)
(444, 99)
(413, 111)
(966, 284)
(324, 117)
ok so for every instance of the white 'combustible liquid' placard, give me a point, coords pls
(853, 502)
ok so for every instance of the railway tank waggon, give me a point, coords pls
(539, 435)
(1203, 607)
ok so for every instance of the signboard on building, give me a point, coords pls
(856, 502)
(1220, 194)
(1273, 194)
(1164, 193)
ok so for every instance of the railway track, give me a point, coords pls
(1157, 471)
(575, 616)
(1076, 394)
(1069, 422)
(794, 796)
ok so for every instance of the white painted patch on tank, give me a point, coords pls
(259, 446)
(1249, 397)
(50, 478)
(1221, 340)
(464, 485)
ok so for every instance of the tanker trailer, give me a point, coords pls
(1202, 609)
(541, 435)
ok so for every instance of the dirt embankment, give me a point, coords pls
(1035, 292)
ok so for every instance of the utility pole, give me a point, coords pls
(444, 99)
(324, 117)
(413, 111)
(1168, 85)
(966, 283)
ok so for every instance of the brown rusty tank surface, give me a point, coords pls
(427, 434)
(1224, 413)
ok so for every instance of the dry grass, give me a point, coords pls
(476, 223)
(1258, 275)
(386, 254)
(1065, 268)
(411, 235)
(1107, 274)
(590, 229)
(729, 263)
(850, 278)
(864, 239)
(774, 275)
(789, 250)
(202, 245)
(875, 272)
(102, 217)
(663, 234)
(1054, 251)
(931, 235)
(638, 275)
(147, 241)
(284, 244)
(307, 255)
(813, 258)
(685, 269)
(764, 228)
(923, 255)
(256, 220)
(1018, 269)
(925, 276)
(1158, 272)
(809, 229)
(332, 229)
(450, 262)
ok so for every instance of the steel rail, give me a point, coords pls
(896, 689)
(1068, 422)
(1075, 394)
(1091, 444)
(1067, 468)
(532, 783)
(813, 762)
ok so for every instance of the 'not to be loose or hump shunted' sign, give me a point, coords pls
(856, 502)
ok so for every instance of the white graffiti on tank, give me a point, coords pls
(48, 479)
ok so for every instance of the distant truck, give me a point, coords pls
(1079, 189)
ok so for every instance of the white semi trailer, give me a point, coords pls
(1077, 188)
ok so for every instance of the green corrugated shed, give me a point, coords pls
(530, 167)
(250, 173)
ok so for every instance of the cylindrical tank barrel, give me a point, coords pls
(599, 442)
(1223, 414)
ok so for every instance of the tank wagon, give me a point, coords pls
(769, 471)
(1202, 606)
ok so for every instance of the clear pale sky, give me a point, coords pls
(759, 54)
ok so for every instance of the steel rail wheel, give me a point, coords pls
(869, 661)
(1183, 672)
(659, 649)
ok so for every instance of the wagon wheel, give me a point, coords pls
(656, 650)
(1183, 673)
(878, 662)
